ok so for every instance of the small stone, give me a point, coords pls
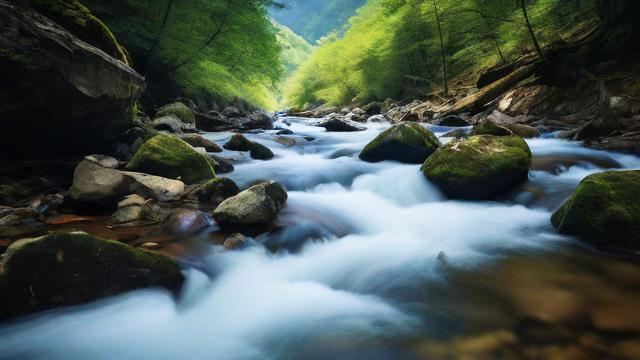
(131, 200)
(128, 214)
(235, 242)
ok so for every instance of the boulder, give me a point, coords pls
(171, 124)
(604, 210)
(260, 152)
(93, 183)
(480, 167)
(238, 143)
(75, 268)
(258, 205)
(493, 125)
(186, 222)
(374, 108)
(170, 157)
(488, 127)
(128, 214)
(198, 141)
(336, 125)
(215, 191)
(212, 121)
(221, 165)
(67, 97)
(131, 200)
(179, 110)
(406, 142)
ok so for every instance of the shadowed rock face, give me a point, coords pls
(59, 96)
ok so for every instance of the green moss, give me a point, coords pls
(604, 209)
(169, 157)
(480, 167)
(406, 142)
(79, 20)
(74, 268)
(180, 110)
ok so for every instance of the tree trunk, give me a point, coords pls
(442, 50)
(533, 35)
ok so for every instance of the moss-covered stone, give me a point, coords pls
(169, 157)
(406, 142)
(78, 19)
(215, 191)
(179, 110)
(75, 268)
(487, 127)
(604, 210)
(238, 143)
(480, 167)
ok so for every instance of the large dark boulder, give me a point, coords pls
(480, 167)
(258, 205)
(75, 268)
(604, 210)
(60, 95)
(406, 142)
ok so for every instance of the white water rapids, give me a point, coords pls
(363, 239)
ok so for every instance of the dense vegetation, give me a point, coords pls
(313, 19)
(406, 49)
(211, 51)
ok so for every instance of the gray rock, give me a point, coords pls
(258, 205)
(171, 124)
(128, 214)
(186, 221)
(131, 200)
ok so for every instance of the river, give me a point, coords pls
(370, 261)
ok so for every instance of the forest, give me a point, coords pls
(307, 179)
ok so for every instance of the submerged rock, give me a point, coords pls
(179, 110)
(172, 158)
(258, 205)
(235, 242)
(76, 268)
(186, 222)
(45, 70)
(406, 142)
(480, 167)
(604, 210)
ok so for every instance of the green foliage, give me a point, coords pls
(215, 49)
(392, 47)
(314, 19)
(170, 157)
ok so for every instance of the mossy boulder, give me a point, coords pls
(604, 210)
(169, 157)
(406, 142)
(78, 19)
(480, 167)
(488, 127)
(258, 205)
(75, 268)
(179, 110)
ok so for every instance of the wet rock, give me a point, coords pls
(198, 141)
(103, 160)
(179, 110)
(171, 124)
(93, 183)
(131, 200)
(335, 125)
(128, 214)
(238, 143)
(186, 222)
(172, 158)
(221, 165)
(261, 152)
(377, 119)
(452, 121)
(406, 142)
(374, 108)
(488, 127)
(76, 268)
(215, 191)
(604, 210)
(480, 167)
(212, 121)
(458, 134)
(235, 242)
(285, 132)
(46, 68)
(258, 205)
(286, 141)
(524, 130)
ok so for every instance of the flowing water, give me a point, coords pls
(370, 261)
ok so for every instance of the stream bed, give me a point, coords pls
(370, 261)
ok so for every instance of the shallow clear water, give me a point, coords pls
(371, 262)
